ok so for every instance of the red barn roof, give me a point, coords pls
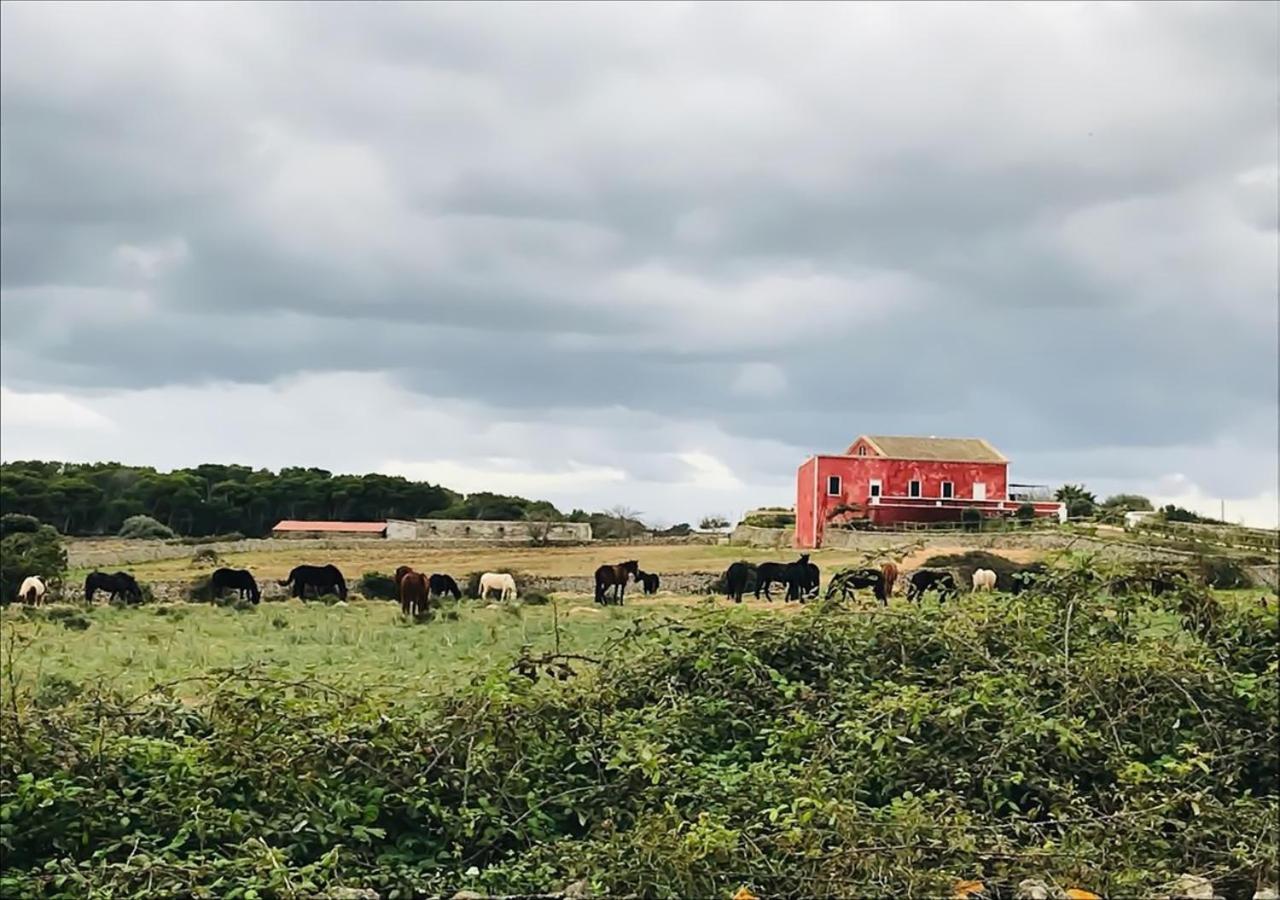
(302, 525)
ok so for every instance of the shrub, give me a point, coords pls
(145, 528)
(205, 556)
(201, 589)
(377, 586)
(1224, 572)
(1026, 514)
(817, 754)
(972, 519)
(1080, 508)
(771, 520)
(536, 598)
(713, 523)
(26, 553)
(17, 523)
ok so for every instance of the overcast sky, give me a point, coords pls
(651, 255)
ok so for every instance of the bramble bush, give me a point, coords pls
(831, 751)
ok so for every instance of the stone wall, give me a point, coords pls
(491, 532)
(841, 539)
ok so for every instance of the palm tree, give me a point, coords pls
(1070, 493)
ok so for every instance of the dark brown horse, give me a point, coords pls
(413, 592)
(615, 577)
(890, 573)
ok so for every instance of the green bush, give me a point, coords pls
(1026, 514)
(25, 553)
(377, 586)
(535, 598)
(1080, 508)
(1223, 572)
(817, 754)
(145, 528)
(972, 519)
(17, 523)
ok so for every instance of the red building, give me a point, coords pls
(891, 480)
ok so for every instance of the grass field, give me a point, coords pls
(385, 556)
(367, 645)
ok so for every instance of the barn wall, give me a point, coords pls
(805, 535)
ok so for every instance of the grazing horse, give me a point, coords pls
(401, 571)
(735, 580)
(31, 591)
(442, 584)
(319, 579)
(615, 577)
(501, 582)
(984, 580)
(649, 580)
(847, 584)
(235, 580)
(795, 575)
(923, 580)
(117, 584)
(890, 573)
(413, 593)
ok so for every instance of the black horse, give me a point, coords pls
(847, 583)
(813, 577)
(614, 577)
(320, 580)
(795, 575)
(649, 581)
(443, 584)
(736, 579)
(117, 584)
(235, 580)
(923, 580)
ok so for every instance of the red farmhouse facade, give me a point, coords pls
(893, 480)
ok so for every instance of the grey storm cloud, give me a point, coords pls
(1053, 225)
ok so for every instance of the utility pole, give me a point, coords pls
(1222, 514)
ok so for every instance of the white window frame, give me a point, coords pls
(947, 494)
(862, 451)
(839, 484)
(875, 488)
(919, 487)
(980, 486)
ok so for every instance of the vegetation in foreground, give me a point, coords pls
(1107, 744)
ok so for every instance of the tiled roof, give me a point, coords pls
(300, 525)
(946, 449)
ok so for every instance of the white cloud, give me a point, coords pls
(150, 261)
(49, 411)
(506, 476)
(709, 472)
(760, 380)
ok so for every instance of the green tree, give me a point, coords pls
(145, 527)
(1069, 493)
(1026, 514)
(713, 523)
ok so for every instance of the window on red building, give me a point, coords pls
(948, 490)
(913, 488)
(833, 485)
(873, 489)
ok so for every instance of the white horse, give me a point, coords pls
(984, 580)
(32, 590)
(497, 581)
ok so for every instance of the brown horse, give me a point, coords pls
(413, 593)
(615, 577)
(890, 573)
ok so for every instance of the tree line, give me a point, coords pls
(214, 499)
